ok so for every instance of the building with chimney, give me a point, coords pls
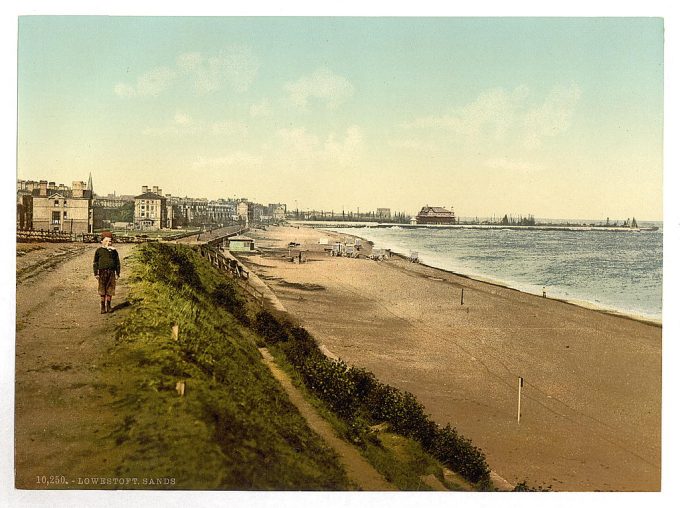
(151, 210)
(46, 206)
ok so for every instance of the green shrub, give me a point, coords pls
(353, 392)
(329, 380)
(269, 327)
(301, 348)
(458, 453)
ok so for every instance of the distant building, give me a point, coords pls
(435, 215)
(260, 212)
(111, 201)
(192, 212)
(383, 213)
(277, 211)
(151, 211)
(245, 211)
(45, 205)
(112, 208)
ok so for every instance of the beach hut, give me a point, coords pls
(241, 244)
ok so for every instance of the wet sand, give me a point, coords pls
(591, 402)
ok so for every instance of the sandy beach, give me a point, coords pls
(591, 402)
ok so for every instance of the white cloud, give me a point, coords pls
(346, 149)
(553, 116)
(189, 61)
(323, 85)
(150, 83)
(499, 115)
(229, 127)
(154, 81)
(298, 145)
(124, 90)
(235, 66)
(235, 159)
(182, 119)
(494, 111)
(181, 123)
(261, 109)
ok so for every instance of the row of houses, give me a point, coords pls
(153, 210)
(76, 209)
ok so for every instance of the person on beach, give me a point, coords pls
(106, 268)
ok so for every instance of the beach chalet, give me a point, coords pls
(435, 215)
(241, 244)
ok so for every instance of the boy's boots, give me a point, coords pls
(103, 309)
(108, 306)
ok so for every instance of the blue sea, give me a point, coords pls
(619, 271)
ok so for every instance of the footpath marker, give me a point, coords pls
(520, 384)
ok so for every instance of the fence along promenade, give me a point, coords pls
(45, 235)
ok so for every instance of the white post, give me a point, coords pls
(520, 383)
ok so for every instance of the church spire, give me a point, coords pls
(89, 184)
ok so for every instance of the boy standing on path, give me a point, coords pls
(106, 268)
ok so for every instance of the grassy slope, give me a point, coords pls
(401, 460)
(234, 428)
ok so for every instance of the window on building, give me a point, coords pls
(56, 218)
(64, 202)
(56, 202)
(64, 215)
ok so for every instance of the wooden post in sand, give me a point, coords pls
(520, 384)
(462, 292)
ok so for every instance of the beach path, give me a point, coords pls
(62, 409)
(358, 469)
(591, 401)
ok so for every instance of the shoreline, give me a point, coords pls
(584, 304)
(519, 227)
(592, 399)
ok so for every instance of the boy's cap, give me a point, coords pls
(107, 234)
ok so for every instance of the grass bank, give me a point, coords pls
(190, 328)
(234, 427)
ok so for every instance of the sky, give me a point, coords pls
(555, 117)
